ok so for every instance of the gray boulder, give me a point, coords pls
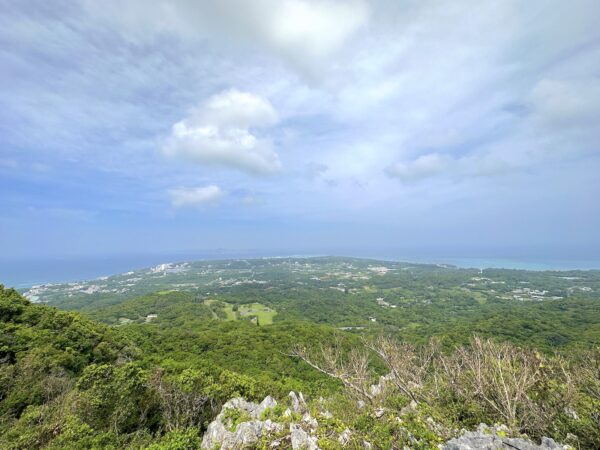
(297, 402)
(310, 421)
(247, 433)
(301, 439)
(344, 438)
(377, 389)
(268, 403)
(487, 438)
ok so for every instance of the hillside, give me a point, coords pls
(69, 382)
(153, 371)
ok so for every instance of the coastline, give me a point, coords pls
(24, 274)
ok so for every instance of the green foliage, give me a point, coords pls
(186, 439)
(117, 397)
(241, 347)
(233, 417)
(170, 308)
(70, 383)
(76, 434)
(43, 349)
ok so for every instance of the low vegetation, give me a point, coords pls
(486, 381)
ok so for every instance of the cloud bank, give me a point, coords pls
(305, 34)
(392, 115)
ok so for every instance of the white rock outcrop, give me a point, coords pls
(298, 404)
(488, 438)
(245, 434)
(301, 440)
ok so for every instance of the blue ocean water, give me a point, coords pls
(25, 273)
(503, 263)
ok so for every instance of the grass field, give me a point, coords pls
(231, 314)
(263, 313)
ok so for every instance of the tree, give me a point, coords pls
(351, 368)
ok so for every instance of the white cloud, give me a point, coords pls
(437, 165)
(567, 103)
(430, 90)
(559, 122)
(308, 32)
(236, 109)
(305, 33)
(195, 196)
(423, 167)
(219, 133)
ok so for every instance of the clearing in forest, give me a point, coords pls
(263, 313)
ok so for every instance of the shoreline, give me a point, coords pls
(73, 270)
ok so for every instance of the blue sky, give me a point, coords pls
(316, 126)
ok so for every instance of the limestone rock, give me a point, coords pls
(268, 403)
(310, 421)
(410, 408)
(344, 438)
(246, 433)
(301, 439)
(377, 389)
(326, 414)
(297, 402)
(488, 438)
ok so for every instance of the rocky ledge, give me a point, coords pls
(245, 425)
(494, 438)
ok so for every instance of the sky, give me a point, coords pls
(131, 126)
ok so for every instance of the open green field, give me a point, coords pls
(264, 314)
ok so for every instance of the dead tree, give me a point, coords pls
(350, 368)
(409, 366)
(499, 376)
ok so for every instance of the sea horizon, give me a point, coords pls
(24, 273)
